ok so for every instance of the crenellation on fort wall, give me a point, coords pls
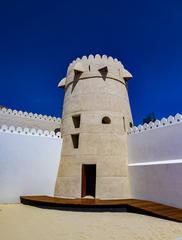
(164, 122)
(30, 120)
(29, 131)
(9, 111)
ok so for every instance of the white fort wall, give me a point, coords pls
(30, 120)
(155, 161)
(29, 161)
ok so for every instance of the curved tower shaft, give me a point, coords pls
(96, 117)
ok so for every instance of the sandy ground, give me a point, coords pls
(21, 222)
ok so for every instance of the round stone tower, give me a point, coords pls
(96, 117)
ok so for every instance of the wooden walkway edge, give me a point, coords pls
(129, 205)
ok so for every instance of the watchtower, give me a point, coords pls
(96, 117)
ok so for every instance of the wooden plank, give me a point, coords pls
(135, 205)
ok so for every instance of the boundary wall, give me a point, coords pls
(29, 120)
(155, 161)
(29, 161)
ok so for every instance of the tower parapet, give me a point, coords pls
(96, 66)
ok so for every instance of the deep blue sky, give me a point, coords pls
(38, 39)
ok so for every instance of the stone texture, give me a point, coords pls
(112, 187)
(69, 187)
(94, 97)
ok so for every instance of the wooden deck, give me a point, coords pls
(129, 205)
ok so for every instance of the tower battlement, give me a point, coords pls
(95, 66)
(96, 60)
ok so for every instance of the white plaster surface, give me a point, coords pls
(160, 179)
(30, 120)
(156, 145)
(28, 165)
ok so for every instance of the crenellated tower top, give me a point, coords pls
(95, 66)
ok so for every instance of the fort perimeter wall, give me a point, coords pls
(155, 161)
(31, 120)
(29, 162)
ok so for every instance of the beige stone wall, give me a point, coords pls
(105, 145)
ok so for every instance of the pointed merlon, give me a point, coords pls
(126, 75)
(62, 83)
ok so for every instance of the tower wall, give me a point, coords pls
(95, 88)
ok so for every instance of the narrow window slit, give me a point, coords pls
(75, 140)
(124, 124)
(76, 121)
